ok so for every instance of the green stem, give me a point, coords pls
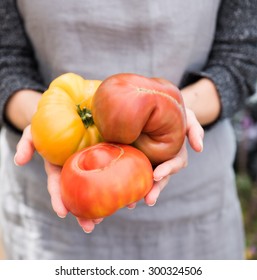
(86, 116)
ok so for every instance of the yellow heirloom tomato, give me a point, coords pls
(63, 123)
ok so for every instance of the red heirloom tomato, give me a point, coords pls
(63, 122)
(148, 112)
(99, 180)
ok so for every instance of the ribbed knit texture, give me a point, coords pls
(18, 69)
(232, 65)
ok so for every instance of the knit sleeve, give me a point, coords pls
(232, 64)
(18, 68)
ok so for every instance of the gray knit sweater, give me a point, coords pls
(232, 64)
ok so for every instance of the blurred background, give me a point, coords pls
(245, 126)
(2, 256)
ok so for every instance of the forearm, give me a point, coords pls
(21, 107)
(18, 69)
(232, 64)
(203, 99)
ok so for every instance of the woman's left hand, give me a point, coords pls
(162, 172)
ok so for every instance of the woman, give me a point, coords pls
(207, 48)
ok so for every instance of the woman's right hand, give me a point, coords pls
(24, 153)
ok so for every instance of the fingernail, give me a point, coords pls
(201, 144)
(98, 221)
(15, 161)
(152, 204)
(61, 216)
(86, 231)
(158, 179)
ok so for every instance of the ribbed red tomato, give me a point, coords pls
(99, 180)
(148, 112)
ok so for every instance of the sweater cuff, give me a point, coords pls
(221, 78)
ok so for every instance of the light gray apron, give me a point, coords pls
(197, 215)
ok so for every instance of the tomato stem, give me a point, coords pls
(86, 116)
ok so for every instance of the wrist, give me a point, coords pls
(21, 106)
(203, 99)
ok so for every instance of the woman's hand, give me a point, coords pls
(53, 183)
(203, 107)
(25, 151)
(162, 172)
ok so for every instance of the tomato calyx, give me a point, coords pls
(86, 116)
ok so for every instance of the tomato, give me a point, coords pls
(147, 112)
(63, 122)
(99, 180)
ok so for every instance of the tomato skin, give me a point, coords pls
(57, 128)
(99, 180)
(148, 112)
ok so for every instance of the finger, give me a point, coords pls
(54, 189)
(132, 206)
(152, 196)
(171, 166)
(25, 148)
(87, 225)
(195, 132)
(98, 221)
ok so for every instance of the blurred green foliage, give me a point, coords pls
(245, 126)
(247, 191)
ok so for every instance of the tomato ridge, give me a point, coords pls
(112, 162)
